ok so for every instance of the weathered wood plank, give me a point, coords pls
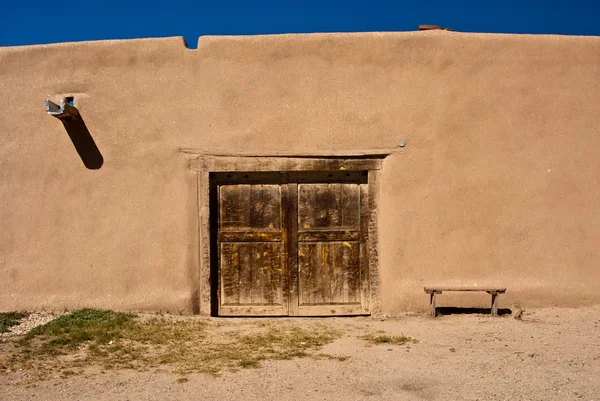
(331, 310)
(494, 304)
(252, 310)
(320, 177)
(237, 163)
(256, 206)
(243, 206)
(346, 235)
(204, 185)
(306, 259)
(246, 285)
(273, 279)
(322, 273)
(329, 272)
(290, 259)
(247, 177)
(251, 273)
(328, 207)
(483, 289)
(230, 271)
(364, 248)
(373, 243)
(351, 263)
(249, 236)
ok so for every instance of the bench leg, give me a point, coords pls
(432, 302)
(494, 304)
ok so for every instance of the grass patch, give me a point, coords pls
(387, 339)
(70, 331)
(114, 340)
(9, 319)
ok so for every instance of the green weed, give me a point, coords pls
(9, 319)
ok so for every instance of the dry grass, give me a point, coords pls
(387, 339)
(113, 340)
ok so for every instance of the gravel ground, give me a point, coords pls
(552, 354)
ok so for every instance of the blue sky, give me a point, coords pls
(36, 22)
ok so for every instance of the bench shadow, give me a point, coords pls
(448, 310)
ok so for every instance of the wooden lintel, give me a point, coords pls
(260, 163)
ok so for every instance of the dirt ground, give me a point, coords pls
(552, 354)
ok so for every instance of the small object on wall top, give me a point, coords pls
(427, 27)
(401, 143)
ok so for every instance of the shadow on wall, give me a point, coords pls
(84, 143)
(71, 118)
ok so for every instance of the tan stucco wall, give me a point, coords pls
(499, 182)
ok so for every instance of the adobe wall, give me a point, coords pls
(499, 182)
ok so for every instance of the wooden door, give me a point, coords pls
(292, 244)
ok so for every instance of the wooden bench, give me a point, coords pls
(432, 291)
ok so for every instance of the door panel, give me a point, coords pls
(251, 273)
(250, 207)
(328, 206)
(329, 272)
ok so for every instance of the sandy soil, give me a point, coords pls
(553, 354)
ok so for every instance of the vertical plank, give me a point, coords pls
(307, 257)
(246, 279)
(494, 304)
(255, 206)
(243, 207)
(271, 198)
(204, 218)
(350, 204)
(272, 277)
(332, 196)
(338, 284)
(320, 278)
(230, 278)
(306, 196)
(365, 291)
(257, 295)
(353, 271)
(373, 240)
(290, 208)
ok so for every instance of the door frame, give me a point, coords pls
(204, 165)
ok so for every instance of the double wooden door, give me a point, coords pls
(292, 243)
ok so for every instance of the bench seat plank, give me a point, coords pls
(484, 289)
(465, 289)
